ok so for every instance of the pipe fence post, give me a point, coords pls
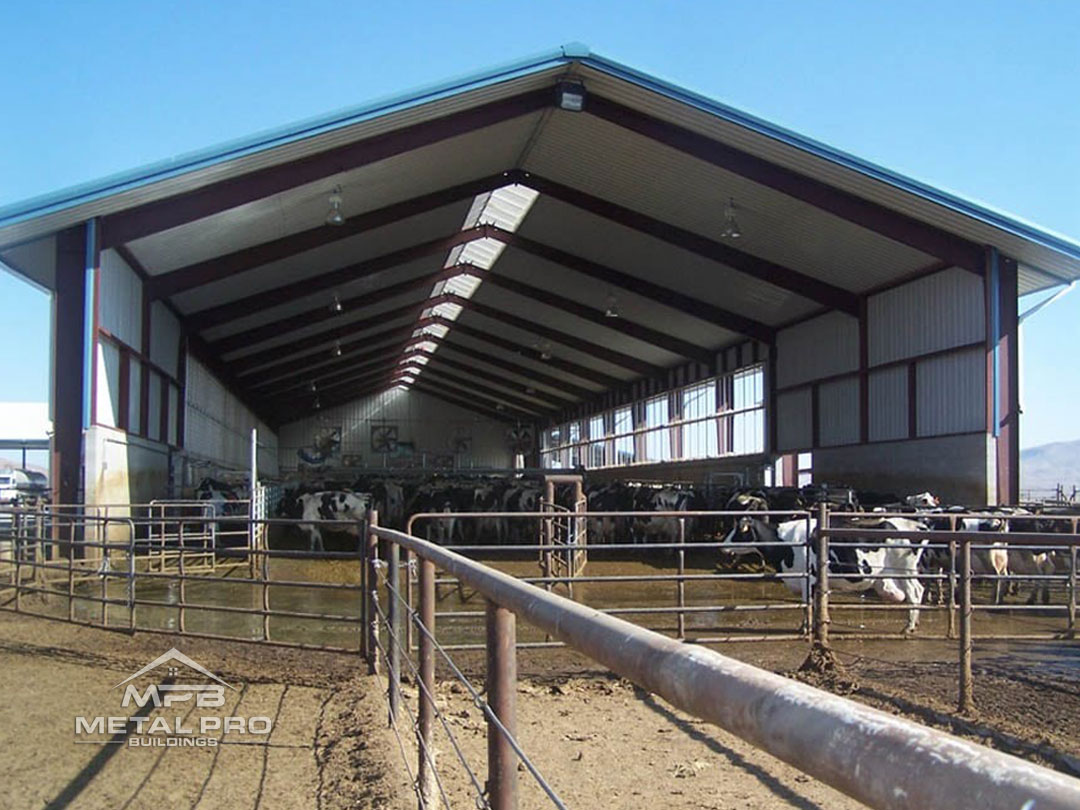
(821, 593)
(951, 633)
(966, 703)
(681, 582)
(1072, 590)
(365, 534)
(371, 596)
(181, 622)
(425, 755)
(393, 667)
(502, 698)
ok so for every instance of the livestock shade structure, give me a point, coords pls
(655, 279)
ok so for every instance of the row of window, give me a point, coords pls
(722, 416)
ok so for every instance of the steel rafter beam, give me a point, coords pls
(568, 366)
(440, 360)
(472, 387)
(508, 412)
(623, 326)
(572, 341)
(286, 293)
(242, 365)
(776, 274)
(872, 216)
(538, 376)
(470, 405)
(292, 411)
(251, 258)
(275, 374)
(302, 320)
(339, 373)
(179, 209)
(371, 376)
(702, 310)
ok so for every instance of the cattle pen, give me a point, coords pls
(563, 342)
(151, 573)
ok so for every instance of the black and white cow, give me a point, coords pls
(888, 570)
(348, 507)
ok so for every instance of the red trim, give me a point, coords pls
(164, 423)
(142, 358)
(180, 209)
(69, 347)
(864, 371)
(123, 395)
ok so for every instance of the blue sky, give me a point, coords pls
(974, 97)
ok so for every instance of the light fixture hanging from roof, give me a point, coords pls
(334, 216)
(336, 351)
(731, 225)
(336, 306)
(612, 307)
(570, 95)
(317, 403)
(312, 387)
(544, 349)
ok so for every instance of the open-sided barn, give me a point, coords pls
(562, 262)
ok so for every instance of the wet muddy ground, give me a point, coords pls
(576, 719)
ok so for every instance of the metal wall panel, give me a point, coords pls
(889, 404)
(817, 348)
(164, 339)
(108, 385)
(838, 412)
(217, 426)
(794, 420)
(938, 312)
(120, 300)
(950, 393)
(431, 425)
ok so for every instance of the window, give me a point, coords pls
(657, 437)
(748, 427)
(699, 436)
(597, 456)
(624, 437)
(723, 416)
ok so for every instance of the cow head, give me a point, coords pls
(746, 530)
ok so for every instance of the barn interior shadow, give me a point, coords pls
(778, 788)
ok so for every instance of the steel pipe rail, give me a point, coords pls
(881, 760)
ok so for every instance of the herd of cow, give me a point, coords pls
(780, 541)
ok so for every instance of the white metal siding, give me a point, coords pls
(941, 311)
(164, 339)
(889, 404)
(428, 423)
(838, 412)
(794, 420)
(817, 348)
(108, 385)
(120, 300)
(217, 426)
(950, 392)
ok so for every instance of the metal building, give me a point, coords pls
(563, 258)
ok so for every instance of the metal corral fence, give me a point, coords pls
(177, 568)
(877, 758)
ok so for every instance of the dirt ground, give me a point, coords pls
(598, 740)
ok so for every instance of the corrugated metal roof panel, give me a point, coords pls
(618, 165)
(55, 211)
(597, 239)
(367, 188)
(976, 221)
(343, 253)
